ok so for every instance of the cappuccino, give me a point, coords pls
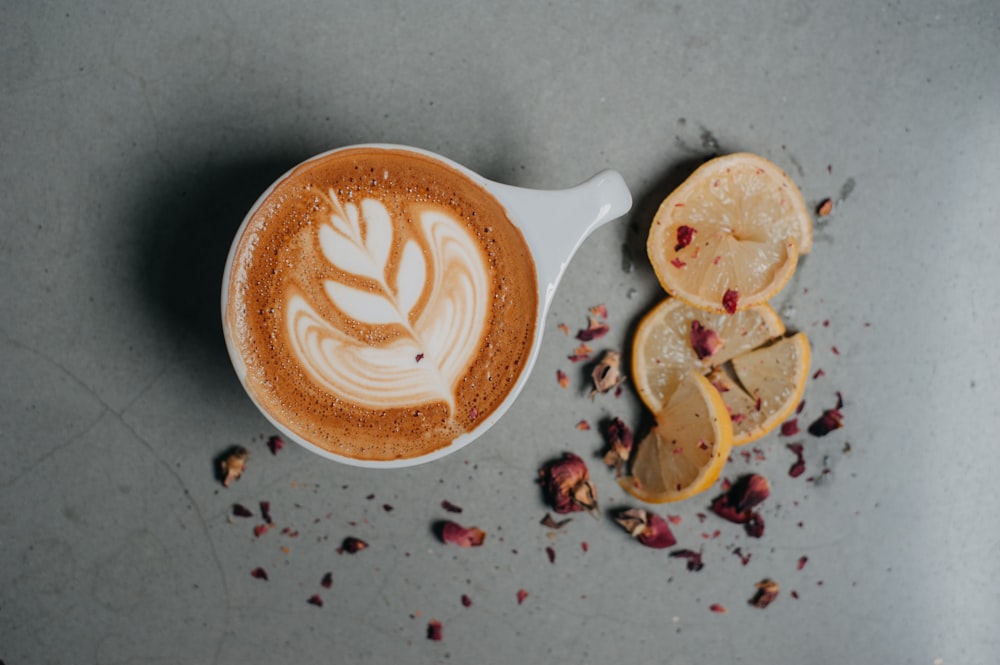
(380, 303)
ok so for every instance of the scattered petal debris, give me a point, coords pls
(767, 591)
(744, 558)
(675, 519)
(802, 562)
(239, 510)
(275, 443)
(456, 534)
(567, 486)
(694, 561)
(677, 263)
(259, 573)
(233, 464)
(450, 507)
(582, 352)
(551, 523)
(434, 630)
(551, 553)
(824, 208)
(755, 526)
(521, 595)
(260, 530)
(704, 341)
(607, 375)
(600, 311)
(717, 608)
(265, 511)
(648, 528)
(595, 330)
(315, 600)
(832, 419)
(565, 328)
(387, 507)
(790, 427)
(466, 601)
(327, 581)
(737, 504)
(685, 234)
(799, 467)
(619, 440)
(818, 373)
(583, 426)
(352, 545)
(731, 301)
(585, 546)
(563, 378)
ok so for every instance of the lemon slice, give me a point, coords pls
(729, 236)
(686, 450)
(663, 353)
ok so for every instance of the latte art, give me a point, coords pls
(435, 297)
(380, 303)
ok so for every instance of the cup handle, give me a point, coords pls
(556, 222)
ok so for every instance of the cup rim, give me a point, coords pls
(458, 442)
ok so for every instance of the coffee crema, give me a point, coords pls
(381, 302)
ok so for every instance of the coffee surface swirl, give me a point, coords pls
(381, 302)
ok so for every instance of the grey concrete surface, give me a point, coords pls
(134, 136)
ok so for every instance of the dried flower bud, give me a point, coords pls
(607, 375)
(434, 630)
(704, 341)
(595, 330)
(738, 502)
(456, 534)
(620, 440)
(648, 528)
(767, 591)
(233, 464)
(567, 485)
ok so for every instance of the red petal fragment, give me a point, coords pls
(327, 581)
(473, 413)
(754, 526)
(233, 464)
(694, 562)
(521, 595)
(239, 510)
(790, 427)
(456, 534)
(674, 519)
(434, 630)
(562, 378)
(744, 558)
(607, 375)
(419, 357)
(619, 439)
(677, 263)
(265, 511)
(799, 467)
(717, 608)
(450, 507)
(831, 420)
(466, 601)
(585, 546)
(275, 443)
(352, 545)
(259, 573)
(567, 486)
(818, 373)
(600, 311)
(685, 234)
(799, 408)
(260, 530)
(794, 594)
(551, 553)
(583, 426)
(704, 341)
(387, 507)
(835, 350)
(767, 591)
(648, 528)
(315, 600)
(730, 300)
(565, 328)
(553, 524)
(802, 562)
(824, 208)
(595, 330)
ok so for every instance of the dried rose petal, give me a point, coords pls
(595, 330)
(730, 300)
(315, 600)
(583, 426)
(648, 528)
(434, 630)
(567, 486)
(619, 439)
(799, 467)
(744, 558)
(704, 341)
(717, 608)
(466, 601)
(754, 526)
(600, 311)
(742, 497)
(831, 420)
(352, 545)
(562, 378)
(553, 524)
(685, 234)
(260, 530)
(581, 352)
(233, 464)
(265, 511)
(824, 208)
(551, 553)
(802, 562)
(677, 263)
(694, 562)
(456, 534)
(275, 443)
(563, 327)
(818, 373)
(767, 591)
(521, 595)
(259, 573)
(327, 581)
(607, 375)
(418, 357)
(387, 507)
(790, 427)
(450, 507)
(585, 546)
(239, 510)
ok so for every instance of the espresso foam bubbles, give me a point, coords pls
(381, 302)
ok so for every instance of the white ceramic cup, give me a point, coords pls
(554, 225)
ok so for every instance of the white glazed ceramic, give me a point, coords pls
(554, 225)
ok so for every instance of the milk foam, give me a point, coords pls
(434, 298)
